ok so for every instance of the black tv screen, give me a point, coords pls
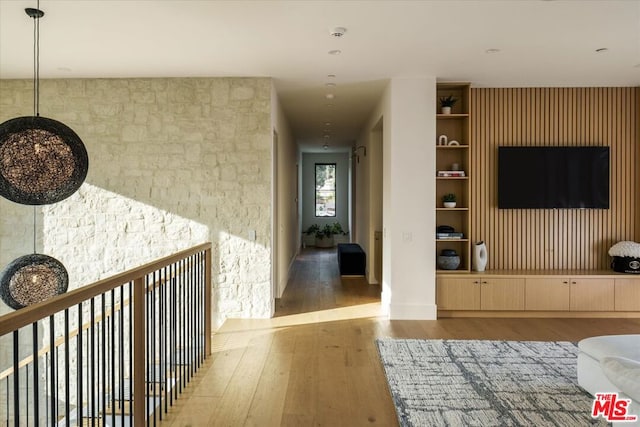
(553, 177)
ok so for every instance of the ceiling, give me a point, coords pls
(540, 43)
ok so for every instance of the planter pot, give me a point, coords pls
(340, 238)
(449, 204)
(325, 242)
(446, 110)
(308, 241)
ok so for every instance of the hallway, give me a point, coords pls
(316, 362)
(316, 285)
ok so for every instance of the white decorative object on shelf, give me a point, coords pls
(480, 256)
(625, 249)
(453, 142)
(442, 140)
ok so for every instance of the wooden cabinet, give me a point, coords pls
(547, 294)
(538, 294)
(452, 151)
(479, 293)
(502, 294)
(454, 293)
(569, 294)
(627, 295)
(592, 294)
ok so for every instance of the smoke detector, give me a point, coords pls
(338, 31)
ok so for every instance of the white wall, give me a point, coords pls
(287, 228)
(342, 189)
(407, 109)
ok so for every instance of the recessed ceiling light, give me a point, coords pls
(327, 136)
(329, 96)
(331, 76)
(330, 84)
(492, 51)
(335, 52)
(338, 31)
(327, 124)
(325, 146)
(602, 49)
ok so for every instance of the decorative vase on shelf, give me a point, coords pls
(480, 256)
(449, 204)
(446, 110)
(448, 259)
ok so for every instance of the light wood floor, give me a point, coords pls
(316, 364)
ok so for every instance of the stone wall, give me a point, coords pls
(172, 163)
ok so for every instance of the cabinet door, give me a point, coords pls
(458, 293)
(547, 294)
(502, 294)
(592, 295)
(627, 294)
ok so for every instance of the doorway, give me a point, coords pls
(375, 201)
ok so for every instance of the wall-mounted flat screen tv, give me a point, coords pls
(553, 177)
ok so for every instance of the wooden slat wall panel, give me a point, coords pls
(535, 239)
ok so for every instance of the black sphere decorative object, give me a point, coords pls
(31, 279)
(42, 161)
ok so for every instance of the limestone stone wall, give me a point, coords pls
(173, 162)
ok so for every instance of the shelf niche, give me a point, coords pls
(456, 127)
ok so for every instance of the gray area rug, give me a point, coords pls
(485, 383)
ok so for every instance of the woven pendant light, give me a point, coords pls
(42, 161)
(31, 279)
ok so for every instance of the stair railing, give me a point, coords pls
(85, 357)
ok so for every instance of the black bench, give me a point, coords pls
(351, 259)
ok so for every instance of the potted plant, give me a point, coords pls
(446, 102)
(312, 230)
(324, 236)
(449, 200)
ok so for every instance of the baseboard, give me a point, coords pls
(371, 279)
(413, 312)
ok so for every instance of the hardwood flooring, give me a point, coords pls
(316, 364)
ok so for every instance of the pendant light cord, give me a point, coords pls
(36, 94)
(36, 63)
(34, 229)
